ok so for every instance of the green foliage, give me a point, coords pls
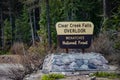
(57, 76)
(2, 52)
(55, 16)
(43, 23)
(105, 74)
(117, 44)
(39, 49)
(23, 29)
(7, 28)
(112, 23)
(69, 10)
(7, 33)
(45, 77)
(52, 76)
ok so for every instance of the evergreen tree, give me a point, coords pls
(112, 23)
(7, 34)
(70, 10)
(55, 16)
(23, 30)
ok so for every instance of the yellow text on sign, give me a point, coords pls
(74, 28)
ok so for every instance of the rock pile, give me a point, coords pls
(74, 62)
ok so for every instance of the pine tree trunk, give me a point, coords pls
(106, 9)
(32, 31)
(1, 29)
(48, 23)
(34, 22)
(12, 19)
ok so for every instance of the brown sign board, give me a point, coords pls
(74, 34)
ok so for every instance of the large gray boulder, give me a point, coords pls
(74, 62)
(11, 71)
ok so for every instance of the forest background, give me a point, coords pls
(30, 24)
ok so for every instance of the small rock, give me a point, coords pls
(78, 79)
(56, 68)
(93, 78)
(79, 62)
(85, 61)
(105, 67)
(58, 62)
(92, 66)
(73, 65)
(95, 62)
(84, 67)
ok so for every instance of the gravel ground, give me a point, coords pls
(84, 77)
(81, 77)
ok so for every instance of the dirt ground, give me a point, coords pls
(10, 59)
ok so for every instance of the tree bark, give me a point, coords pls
(12, 19)
(32, 31)
(106, 9)
(34, 22)
(48, 23)
(1, 29)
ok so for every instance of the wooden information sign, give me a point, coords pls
(74, 34)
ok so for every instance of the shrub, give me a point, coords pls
(18, 48)
(39, 49)
(117, 45)
(52, 76)
(31, 59)
(34, 57)
(117, 42)
(102, 44)
(105, 74)
(45, 77)
(57, 76)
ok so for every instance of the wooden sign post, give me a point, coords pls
(74, 35)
